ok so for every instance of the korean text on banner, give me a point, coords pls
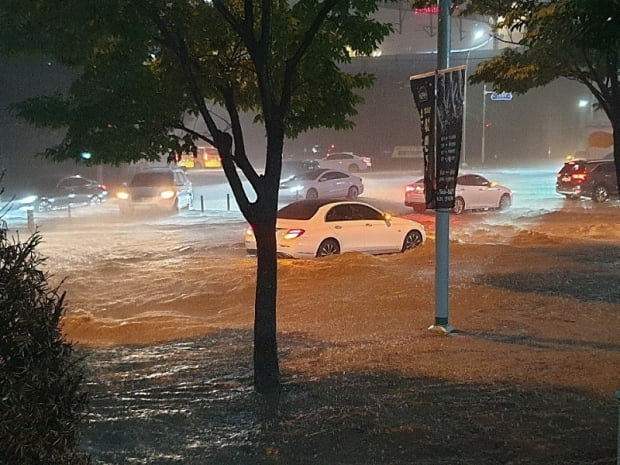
(439, 97)
(423, 89)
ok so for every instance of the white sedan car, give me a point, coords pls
(321, 183)
(473, 192)
(316, 228)
(345, 161)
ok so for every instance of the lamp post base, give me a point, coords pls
(443, 329)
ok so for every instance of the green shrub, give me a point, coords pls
(43, 398)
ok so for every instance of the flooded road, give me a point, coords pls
(162, 307)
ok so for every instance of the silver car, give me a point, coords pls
(345, 161)
(473, 192)
(158, 188)
(319, 184)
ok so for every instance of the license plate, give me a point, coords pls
(566, 179)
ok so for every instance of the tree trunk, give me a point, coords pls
(615, 127)
(266, 369)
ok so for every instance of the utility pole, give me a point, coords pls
(485, 92)
(442, 215)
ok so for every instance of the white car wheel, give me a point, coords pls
(459, 206)
(312, 194)
(328, 247)
(505, 202)
(412, 240)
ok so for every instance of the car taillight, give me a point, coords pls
(579, 176)
(293, 233)
(414, 188)
(367, 161)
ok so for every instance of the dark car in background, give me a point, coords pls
(292, 168)
(72, 191)
(594, 179)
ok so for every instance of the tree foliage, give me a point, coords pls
(145, 65)
(42, 379)
(574, 39)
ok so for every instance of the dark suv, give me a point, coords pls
(595, 179)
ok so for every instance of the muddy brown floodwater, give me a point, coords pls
(164, 314)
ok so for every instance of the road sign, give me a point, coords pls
(501, 96)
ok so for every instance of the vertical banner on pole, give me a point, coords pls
(439, 98)
(423, 88)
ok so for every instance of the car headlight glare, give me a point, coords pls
(122, 195)
(167, 194)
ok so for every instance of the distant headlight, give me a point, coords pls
(122, 195)
(167, 194)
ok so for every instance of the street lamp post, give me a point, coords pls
(485, 92)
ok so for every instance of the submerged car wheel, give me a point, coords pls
(328, 247)
(419, 207)
(505, 202)
(600, 194)
(94, 200)
(353, 193)
(353, 168)
(459, 206)
(412, 240)
(312, 194)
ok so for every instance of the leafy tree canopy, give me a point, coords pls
(145, 65)
(574, 39)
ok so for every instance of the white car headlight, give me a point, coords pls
(167, 194)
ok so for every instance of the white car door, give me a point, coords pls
(380, 236)
(341, 183)
(487, 194)
(348, 231)
(474, 190)
(332, 184)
